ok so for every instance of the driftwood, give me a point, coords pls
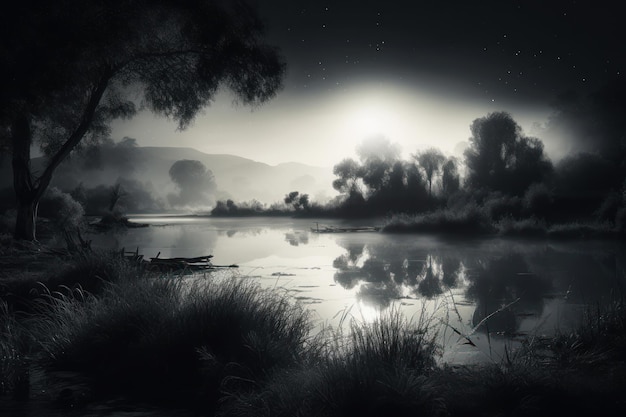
(198, 263)
(335, 229)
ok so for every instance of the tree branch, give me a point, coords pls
(92, 104)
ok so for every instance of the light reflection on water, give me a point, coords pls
(464, 283)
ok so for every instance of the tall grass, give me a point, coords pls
(90, 272)
(170, 341)
(470, 220)
(13, 361)
(381, 368)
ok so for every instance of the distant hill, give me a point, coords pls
(237, 178)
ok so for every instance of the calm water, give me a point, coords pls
(344, 276)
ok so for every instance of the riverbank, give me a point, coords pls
(101, 331)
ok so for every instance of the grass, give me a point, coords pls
(228, 347)
(474, 220)
(171, 342)
(87, 272)
(13, 360)
(381, 368)
(469, 221)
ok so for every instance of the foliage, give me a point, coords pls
(73, 68)
(381, 368)
(59, 207)
(196, 183)
(136, 197)
(501, 158)
(297, 200)
(498, 206)
(471, 220)
(537, 200)
(430, 162)
(450, 178)
(379, 182)
(13, 351)
(170, 343)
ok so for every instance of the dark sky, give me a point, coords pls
(515, 51)
(416, 72)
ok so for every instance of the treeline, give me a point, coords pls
(504, 178)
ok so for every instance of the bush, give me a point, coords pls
(498, 206)
(609, 207)
(61, 209)
(170, 341)
(537, 200)
(530, 227)
(471, 220)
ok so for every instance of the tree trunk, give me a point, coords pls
(28, 190)
(26, 193)
(26, 222)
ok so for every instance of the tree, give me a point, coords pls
(377, 156)
(70, 68)
(349, 173)
(430, 161)
(501, 158)
(297, 200)
(450, 180)
(195, 182)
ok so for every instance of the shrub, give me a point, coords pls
(172, 341)
(531, 227)
(537, 200)
(59, 207)
(467, 221)
(498, 206)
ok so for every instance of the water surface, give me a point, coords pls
(483, 294)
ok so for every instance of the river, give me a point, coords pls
(483, 294)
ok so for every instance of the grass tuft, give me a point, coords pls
(381, 368)
(171, 341)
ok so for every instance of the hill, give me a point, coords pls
(238, 178)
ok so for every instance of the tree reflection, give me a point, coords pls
(383, 273)
(297, 238)
(504, 289)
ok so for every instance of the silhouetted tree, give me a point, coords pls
(297, 200)
(500, 158)
(430, 162)
(450, 179)
(68, 69)
(195, 182)
(349, 173)
(377, 156)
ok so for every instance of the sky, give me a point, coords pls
(417, 73)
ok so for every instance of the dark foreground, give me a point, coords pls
(95, 334)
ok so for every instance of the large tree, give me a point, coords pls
(71, 67)
(501, 158)
(196, 184)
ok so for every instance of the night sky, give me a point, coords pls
(416, 72)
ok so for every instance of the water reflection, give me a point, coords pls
(382, 273)
(505, 287)
(505, 290)
(296, 238)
